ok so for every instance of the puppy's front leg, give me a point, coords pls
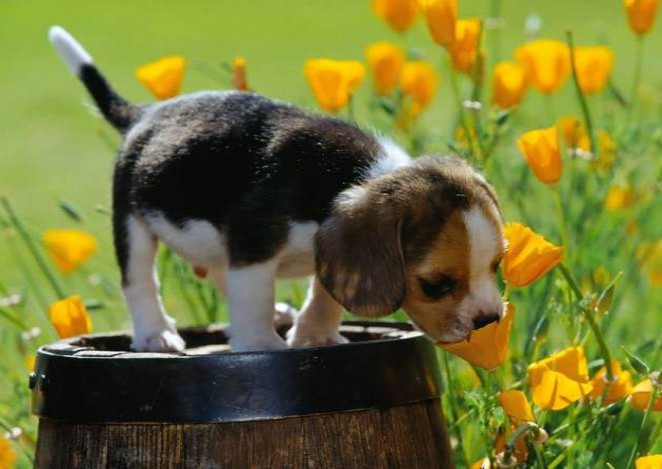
(319, 320)
(251, 304)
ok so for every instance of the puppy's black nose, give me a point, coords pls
(483, 320)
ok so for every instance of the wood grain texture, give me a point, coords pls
(405, 436)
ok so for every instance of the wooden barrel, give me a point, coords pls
(371, 403)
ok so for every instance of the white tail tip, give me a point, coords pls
(73, 54)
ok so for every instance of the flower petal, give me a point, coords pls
(516, 406)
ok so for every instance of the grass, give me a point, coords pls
(56, 149)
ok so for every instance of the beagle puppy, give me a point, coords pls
(250, 189)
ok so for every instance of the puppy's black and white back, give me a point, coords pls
(251, 189)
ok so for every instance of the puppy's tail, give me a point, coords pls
(119, 112)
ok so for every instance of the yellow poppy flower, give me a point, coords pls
(239, 80)
(30, 361)
(386, 61)
(516, 406)
(508, 84)
(398, 14)
(419, 80)
(333, 81)
(641, 15)
(441, 18)
(7, 453)
(607, 149)
(487, 346)
(560, 379)
(617, 390)
(541, 151)
(483, 463)
(619, 198)
(594, 65)
(641, 395)
(529, 255)
(69, 249)
(574, 133)
(652, 461)
(69, 317)
(163, 77)
(464, 48)
(651, 261)
(546, 63)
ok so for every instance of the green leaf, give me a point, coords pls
(636, 362)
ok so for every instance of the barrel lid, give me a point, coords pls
(97, 379)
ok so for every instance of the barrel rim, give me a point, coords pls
(79, 384)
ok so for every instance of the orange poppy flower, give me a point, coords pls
(508, 84)
(529, 255)
(239, 80)
(540, 148)
(516, 406)
(574, 133)
(333, 81)
(487, 346)
(560, 380)
(163, 77)
(619, 198)
(652, 461)
(641, 15)
(464, 48)
(69, 317)
(594, 65)
(441, 18)
(398, 14)
(7, 453)
(546, 63)
(618, 389)
(419, 80)
(641, 395)
(386, 61)
(69, 249)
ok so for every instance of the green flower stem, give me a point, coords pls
(580, 95)
(560, 215)
(450, 392)
(640, 439)
(590, 318)
(654, 437)
(495, 43)
(30, 244)
(636, 80)
(473, 146)
(10, 317)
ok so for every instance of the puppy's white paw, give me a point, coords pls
(161, 341)
(311, 336)
(270, 341)
(284, 314)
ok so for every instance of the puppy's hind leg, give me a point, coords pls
(153, 329)
(319, 320)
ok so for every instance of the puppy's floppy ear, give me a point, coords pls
(359, 255)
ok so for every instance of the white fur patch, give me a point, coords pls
(197, 241)
(484, 247)
(390, 158)
(73, 54)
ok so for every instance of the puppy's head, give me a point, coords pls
(426, 238)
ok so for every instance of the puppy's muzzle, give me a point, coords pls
(483, 320)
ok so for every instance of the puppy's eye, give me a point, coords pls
(438, 288)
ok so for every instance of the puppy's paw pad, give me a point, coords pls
(284, 314)
(164, 341)
(298, 337)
